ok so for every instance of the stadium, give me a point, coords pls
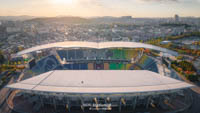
(101, 76)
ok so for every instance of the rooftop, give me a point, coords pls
(100, 81)
(95, 45)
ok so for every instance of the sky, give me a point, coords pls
(94, 8)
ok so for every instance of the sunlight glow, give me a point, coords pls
(66, 2)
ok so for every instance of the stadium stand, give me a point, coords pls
(99, 66)
(145, 61)
(109, 54)
(106, 66)
(36, 69)
(101, 54)
(117, 54)
(85, 56)
(91, 54)
(79, 54)
(129, 66)
(75, 66)
(90, 66)
(46, 64)
(130, 53)
(59, 67)
(71, 54)
(83, 66)
(121, 53)
(153, 67)
(136, 68)
(113, 66)
(68, 66)
(116, 66)
(62, 54)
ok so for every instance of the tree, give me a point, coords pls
(192, 78)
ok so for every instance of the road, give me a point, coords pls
(4, 93)
(195, 108)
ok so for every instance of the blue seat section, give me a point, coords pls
(83, 66)
(49, 63)
(54, 58)
(62, 54)
(79, 54)
(36, 69)
(46, 64)
(153, 67)
(59, 68)
(145, 61)
(68, 66)
(109, 54)
(75, 66)
(96, 54)
(71, 54)
(148, 63)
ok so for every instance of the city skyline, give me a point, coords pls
(93, 8)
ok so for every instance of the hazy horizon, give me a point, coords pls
(95, 16)
(100, 8)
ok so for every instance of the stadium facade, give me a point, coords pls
(98, 76)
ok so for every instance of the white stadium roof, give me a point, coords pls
(95, 45)
(100, 81)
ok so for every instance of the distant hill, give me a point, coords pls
(69, 20)
(74, 20)
(16, 18)
(110, 19)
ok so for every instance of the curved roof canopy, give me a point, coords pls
(100, 82)
(96, 45)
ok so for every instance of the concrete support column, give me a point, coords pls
(54, 103)
(121, 53)
(96, 102)
(41, 100)
(107, 101)
(87, 53)
(160, 100)
(123, 101)
(82, 105)
(68, 103)
(148, 101)
(120, 105)
(134, 102)
(75, 53)
(67, 55)
(169, 66)
(173, 95)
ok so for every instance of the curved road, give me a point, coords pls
(195, 108)
(4, 93)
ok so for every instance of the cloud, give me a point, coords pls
(143, 1)
(178, 1)
(161, 0)
(98, 3)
